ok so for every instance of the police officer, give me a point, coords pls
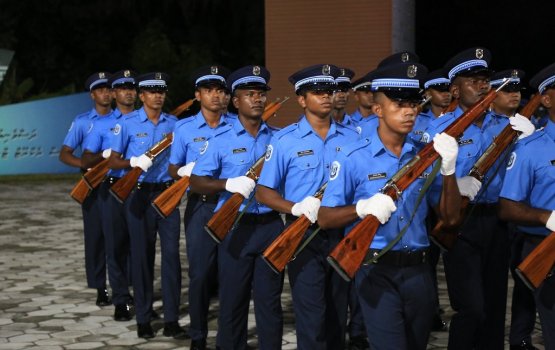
(341, 98)
(527, 199)
(297, 165)
(509, 97)
(362, 89)
(95, 251)
(190, 136)
(97, 147)
(139, 131)
(221, 169)
(476, 265)
(396, 292)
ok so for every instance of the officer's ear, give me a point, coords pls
(301, 99)
(454, 90)
(546, 101)
(377, 109)
(197, 95)
(235, 101)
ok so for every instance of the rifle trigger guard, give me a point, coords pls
(392, 185)
(252, 175)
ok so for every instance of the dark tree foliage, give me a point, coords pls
(59, 43)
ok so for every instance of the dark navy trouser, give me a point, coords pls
(95, 245)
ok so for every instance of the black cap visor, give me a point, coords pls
(209, 83)
(474, 72)
(440, 87)
(317, 87)
(398, 94)
(253, 86)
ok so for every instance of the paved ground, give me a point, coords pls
(44, 302)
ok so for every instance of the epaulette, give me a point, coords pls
(537, 135)
(288, 129)
(274, 129)
(223, 129)
(170, 116)
(351, 147)
(82, 115)
(348, 127)
(183, 121)
(131, 115)
(446, 118)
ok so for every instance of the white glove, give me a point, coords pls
(308, 207)
(468, 186)
(551, 222)
(241, 184)
(186, 170)
(448, 148)
(379, 205)
(106, 153)
(142, 161)
(522, 124)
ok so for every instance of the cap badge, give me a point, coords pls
(256, 70)
(479, 53)
(514, 74)
(326, 69)
(214, 70)
(101, 75)
(342, 72)
(411, 71)
(405, 57)
(126, 73)
(158, 76)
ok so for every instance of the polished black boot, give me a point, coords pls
(144, 330)
(172, 329)
(121, 313)
(102, 297)
(198, 344)
(524, 345)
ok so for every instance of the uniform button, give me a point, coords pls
(406, 247)
(401, 218)
(242, 160)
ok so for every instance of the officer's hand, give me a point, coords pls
(522, 124)
(106, 153)
(186, 170)
(469, 186)
(143, 161)
(448, 148)
(308, 207)
(551, 222)
(379, 205)
(241, 184)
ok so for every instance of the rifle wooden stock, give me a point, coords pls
(272, 109)
(349, 254)
(121, 189)
(80, 191)
(168, 200)
(95, 176)
(279, 253)
(222, 221)
(538, 264)
(183, 107)
(445, 236)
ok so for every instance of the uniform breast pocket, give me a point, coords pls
(141, 144)
(239, 159)
(306, 163)
(468, 149)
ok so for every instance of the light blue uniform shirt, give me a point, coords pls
(137, 134)
(421, 124)
(230, 153)
(190, 136)
(472, 144)
(368, 126)
(530, 176)
(80, 128)
(362, 169)
(298, 161)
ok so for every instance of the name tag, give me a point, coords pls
(239, 150)
(142, 134)
(418, 132)
(376, 176)
(308, 152)
(465, 142)
(199, 139)
(553, 162)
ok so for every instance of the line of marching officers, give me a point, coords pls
(393, 299)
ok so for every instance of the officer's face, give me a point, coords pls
(395, 116)
(340, 98)
(210, 98)
(153, 99)
(102, 96)
(365, 99)
(318, 103)
(250, 103)
(470, 90)
(439, 98)
(125, 96)
(507, 100)
(225, 101)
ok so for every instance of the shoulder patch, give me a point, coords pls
(269, 151)
(359, 130)
(512, 160)
(425, 138)
(288, 129)
(117, 129)
(535, 136)
(203, 148)
(334, 171)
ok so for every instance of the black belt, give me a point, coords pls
(153, 186)
(251, 218)
(399, 258)
(485, 209)
(111, 179)
(212, 198)
(291, 218)
(531, 238)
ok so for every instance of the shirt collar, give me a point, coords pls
(305, 128)
(143, 117)
(240, 129)
(377, 147)
(200, 121)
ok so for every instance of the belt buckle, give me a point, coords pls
(138, 185)
(203, 198)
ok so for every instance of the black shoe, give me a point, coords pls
(172, 329)
(524, 345)
(144, 330)
(102, 297)
(154, 315)
(359, 343)
(121, 313)
(198, 344)
(438, 325)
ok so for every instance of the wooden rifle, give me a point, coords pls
(538, 265)
(182, 107)
(279, 253)
(121, 189)
(80, 191)
(349, 254)
(445, 236)
(168, 200)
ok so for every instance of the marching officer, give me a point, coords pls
(95, 246)
(97, 147)
(297, 165)
(221, 169)
(202, 251)
(139, 131)
(527, 199)
(341, 98)
(362, 89)
(396, 289)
